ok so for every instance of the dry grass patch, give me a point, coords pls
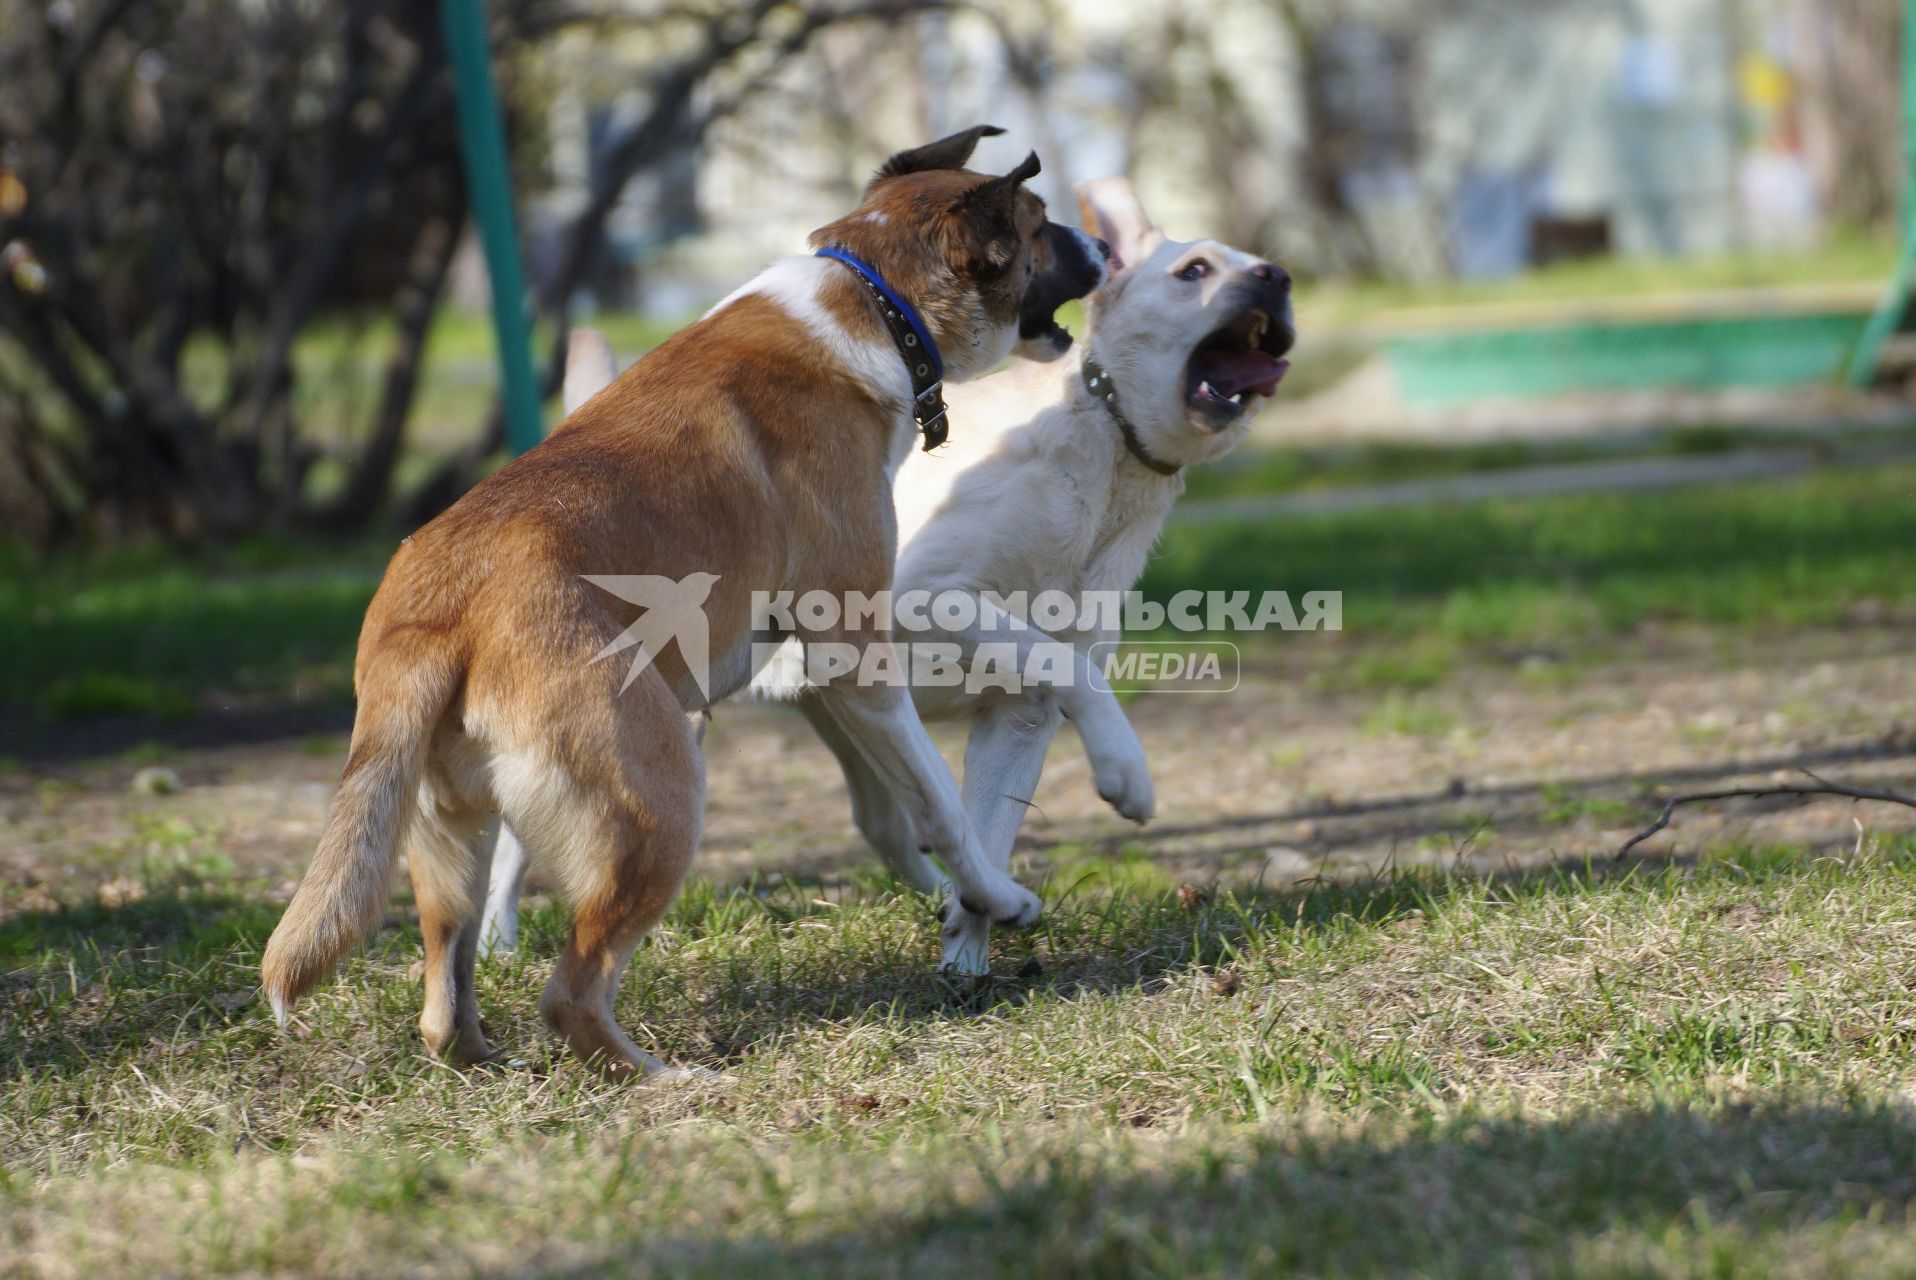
(1573, 1072)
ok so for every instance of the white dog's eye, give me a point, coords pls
(1194, 270)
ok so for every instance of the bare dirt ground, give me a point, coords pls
(1290, 776)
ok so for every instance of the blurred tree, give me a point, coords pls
(1848, 55)
(187, 185)
(200, 180)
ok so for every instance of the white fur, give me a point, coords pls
(1036, 492)
(1133, 337)
(499, 926)
(794, 284)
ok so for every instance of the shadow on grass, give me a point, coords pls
(1084, 948)
(1646, 1190)
(92, 986)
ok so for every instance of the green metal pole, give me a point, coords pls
(482, 142)
(1889, 312)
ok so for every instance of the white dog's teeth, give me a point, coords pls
(1238, 399)
(1204, 389)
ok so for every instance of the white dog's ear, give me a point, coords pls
(1111, 210)
(589, 367)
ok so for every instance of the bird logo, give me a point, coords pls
(672, 611)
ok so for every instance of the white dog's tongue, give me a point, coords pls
(1230, 372)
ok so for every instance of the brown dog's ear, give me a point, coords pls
(1000, 191)
(1112, 211)
(946, 153)
(992, 206)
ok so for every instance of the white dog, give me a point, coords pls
(1061, 481)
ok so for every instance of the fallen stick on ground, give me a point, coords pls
(1823, 787)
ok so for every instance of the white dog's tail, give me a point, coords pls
(589, 367)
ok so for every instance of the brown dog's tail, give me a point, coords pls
(343, 894)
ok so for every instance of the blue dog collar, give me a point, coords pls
(914, 341)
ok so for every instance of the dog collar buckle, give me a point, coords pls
(930, 417)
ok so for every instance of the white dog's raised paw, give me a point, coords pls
(1006, 902)
(1125, 785)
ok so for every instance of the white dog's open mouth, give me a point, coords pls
(1242, 359)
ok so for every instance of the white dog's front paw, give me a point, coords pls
(967, 941)
(1125, 783)
(1002, 900)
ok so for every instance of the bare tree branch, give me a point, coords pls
(196, 172)
(1822, 787)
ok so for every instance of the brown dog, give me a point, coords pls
(752, 452)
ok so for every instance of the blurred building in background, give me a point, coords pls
(1470, 138)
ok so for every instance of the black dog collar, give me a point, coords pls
(1105, 392)
(914, 341)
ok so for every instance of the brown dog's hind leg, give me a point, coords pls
(611, 806)
(578, 1000)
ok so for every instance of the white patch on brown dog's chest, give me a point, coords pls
(793, 285)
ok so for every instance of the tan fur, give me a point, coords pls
(733, 449)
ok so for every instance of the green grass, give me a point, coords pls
(1267, 471)
(1512, 574)
(340, 367)
(1670, 1070)
(1678, 1070)
(1408, 714)
(1425, 588)
(143, 631)
(1564, 805)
